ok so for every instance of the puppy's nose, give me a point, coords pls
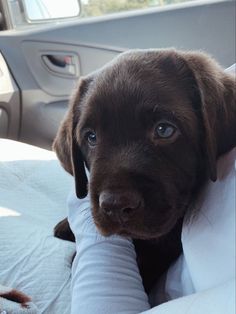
(119, 206)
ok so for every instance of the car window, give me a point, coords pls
(98, 8)
(31, 13)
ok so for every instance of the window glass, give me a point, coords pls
(41, 9)
(102, 7)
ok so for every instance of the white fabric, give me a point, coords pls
(231, 69)
(217, 300)
(105, 277)
(33, 192)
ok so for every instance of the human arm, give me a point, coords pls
(105, 275)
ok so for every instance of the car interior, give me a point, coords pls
(36, 88)
(41, 62)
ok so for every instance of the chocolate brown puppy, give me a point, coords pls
(149, 127)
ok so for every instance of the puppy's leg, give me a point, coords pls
(62, 231)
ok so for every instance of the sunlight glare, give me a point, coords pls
(4, 212)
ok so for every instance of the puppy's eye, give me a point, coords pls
(164, 130)
(91, 138)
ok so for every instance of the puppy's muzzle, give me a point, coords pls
(120, 206)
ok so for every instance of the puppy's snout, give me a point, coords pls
(119, 206)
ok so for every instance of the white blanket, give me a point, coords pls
(33, 192)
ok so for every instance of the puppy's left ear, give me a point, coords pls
(216, 90)
(66, 145)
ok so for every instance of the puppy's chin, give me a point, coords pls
(142, 232)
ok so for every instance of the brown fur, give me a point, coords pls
(123, 102)
(16, 296)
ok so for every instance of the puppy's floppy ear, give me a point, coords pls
(217, 95)
(66, 146)
(81, 180)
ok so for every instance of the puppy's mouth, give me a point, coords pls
(135, 228)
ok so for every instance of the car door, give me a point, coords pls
(43, 63)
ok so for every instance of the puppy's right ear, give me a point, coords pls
(66, 146)
(216, 91)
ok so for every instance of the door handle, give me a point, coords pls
(60, 61)
(62, 64)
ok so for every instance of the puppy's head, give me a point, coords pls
(147, 127)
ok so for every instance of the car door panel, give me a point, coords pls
(86, 59)
(9, 103)
(45, 94)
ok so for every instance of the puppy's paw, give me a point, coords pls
(62, 231)
(16, 296)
